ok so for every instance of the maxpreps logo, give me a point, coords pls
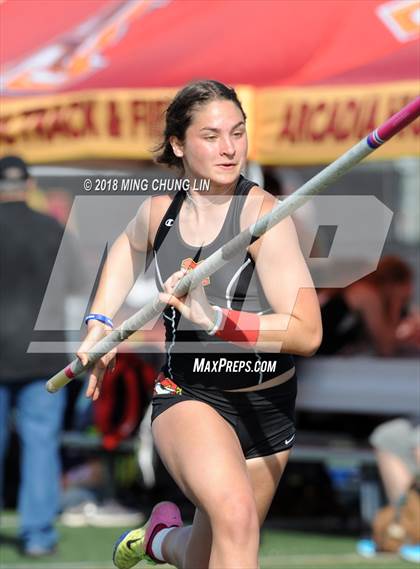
(402, 18)
(189, 264)
(78, 53)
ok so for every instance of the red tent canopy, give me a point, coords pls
(320, 54)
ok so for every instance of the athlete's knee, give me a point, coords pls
(236, 519)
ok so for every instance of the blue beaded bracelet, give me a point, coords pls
(100, 318)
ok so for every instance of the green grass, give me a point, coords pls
(90, 548)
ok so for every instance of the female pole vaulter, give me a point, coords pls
(223, 411)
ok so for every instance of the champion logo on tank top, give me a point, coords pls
(169, 222)
(189, 264)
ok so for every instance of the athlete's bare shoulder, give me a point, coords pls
(258, 203)
(141, 230)
(158, 207)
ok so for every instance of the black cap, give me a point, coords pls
(13, 169)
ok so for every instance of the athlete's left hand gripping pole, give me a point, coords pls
(239, 243)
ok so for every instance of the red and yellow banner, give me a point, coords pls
(84, 125)
(310, 125)
(316, 125)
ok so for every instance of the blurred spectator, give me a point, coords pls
(373, 309)
(397, 446)
(29, 244)
(397, 526)
(59, 204)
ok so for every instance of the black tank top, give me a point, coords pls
(194, 357)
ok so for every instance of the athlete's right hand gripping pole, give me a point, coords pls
(239, 243)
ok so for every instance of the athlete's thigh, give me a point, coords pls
(265, 473)
(202, 453)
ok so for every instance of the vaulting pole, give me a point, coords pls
(222, 256)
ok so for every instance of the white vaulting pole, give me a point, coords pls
(239, 243)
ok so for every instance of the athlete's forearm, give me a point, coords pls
(119, 274)
(289, 334)
(269, 333)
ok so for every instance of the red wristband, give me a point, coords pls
(239, 327)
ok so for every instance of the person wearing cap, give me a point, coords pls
(29, 242)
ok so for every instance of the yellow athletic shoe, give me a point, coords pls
(128, 549)
(135, 545)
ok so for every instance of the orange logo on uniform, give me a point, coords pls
(402, 18)
(165, 386)
(189, 264)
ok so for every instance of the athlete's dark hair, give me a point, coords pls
(391, 270)
(179, 114)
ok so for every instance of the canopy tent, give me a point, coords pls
(90, 79)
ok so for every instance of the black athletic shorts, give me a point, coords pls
(264, 420)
